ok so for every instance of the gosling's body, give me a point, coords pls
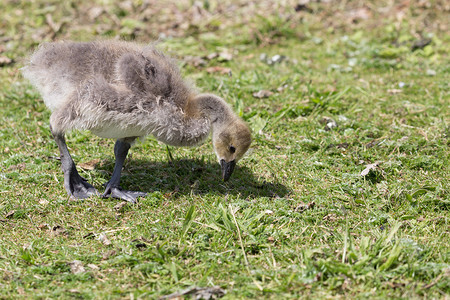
(116, 90)
(123, 91)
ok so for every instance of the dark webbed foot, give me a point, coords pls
(117, 192)
(77, 187)
(112, 187)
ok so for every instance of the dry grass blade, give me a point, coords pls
(247, 265)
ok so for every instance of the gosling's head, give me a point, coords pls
(230, 142)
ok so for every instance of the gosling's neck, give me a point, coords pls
(214, 108)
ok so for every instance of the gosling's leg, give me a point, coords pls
(112, 188)
(76, 186)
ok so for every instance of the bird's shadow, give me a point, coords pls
(192, 176)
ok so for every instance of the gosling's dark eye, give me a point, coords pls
(232, 149)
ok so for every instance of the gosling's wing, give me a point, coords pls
(151, 74)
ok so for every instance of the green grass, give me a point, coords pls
(297, 219)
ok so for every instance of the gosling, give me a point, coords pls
(123, 91)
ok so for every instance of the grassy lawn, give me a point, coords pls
(344, 192)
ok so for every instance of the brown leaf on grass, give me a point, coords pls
(212, 55)
(89, 165)
(329, 123)
(104, 239)
(358, 14)
(370, 167)
(394, 91)
(282, 88)
(108, 254)
(43, 202)
(330, 217)
(76, 267)
(248, 57)
(372, 143)
(225, 56)
(93, 267)
(7, 275)
(301, 207)
(10, 214)
(213, 292)
(195, 61)
(219, 69)
(262, 94)
(95, 12)
(4, 61)
(43, 226)
(169, 195)
(59, 230)
(18, 167)
(119, 206)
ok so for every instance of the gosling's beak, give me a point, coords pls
(227, 168)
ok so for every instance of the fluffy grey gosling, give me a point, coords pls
(123, 91)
